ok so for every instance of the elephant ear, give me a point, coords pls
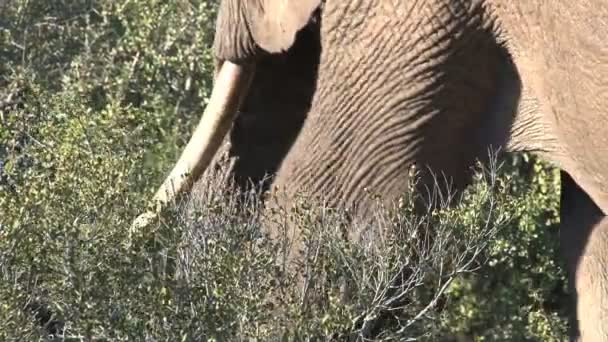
(276, 22)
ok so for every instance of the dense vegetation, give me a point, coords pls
(97, 98)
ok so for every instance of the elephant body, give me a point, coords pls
(349, 94)
(562, 58)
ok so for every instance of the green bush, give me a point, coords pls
(520, 293)
(97, 98)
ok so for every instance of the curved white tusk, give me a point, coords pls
(231, 85)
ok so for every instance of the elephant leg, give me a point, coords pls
(584, 245)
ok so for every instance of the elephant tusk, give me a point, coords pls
(231, 84)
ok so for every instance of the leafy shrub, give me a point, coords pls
(520, 294)
(96, 100)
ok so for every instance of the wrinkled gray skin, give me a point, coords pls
(367, 88)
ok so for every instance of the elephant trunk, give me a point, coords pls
(231, 85)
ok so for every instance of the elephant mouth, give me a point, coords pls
(231, 85)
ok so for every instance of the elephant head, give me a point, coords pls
(256, 35)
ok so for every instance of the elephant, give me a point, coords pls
(335, 97)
